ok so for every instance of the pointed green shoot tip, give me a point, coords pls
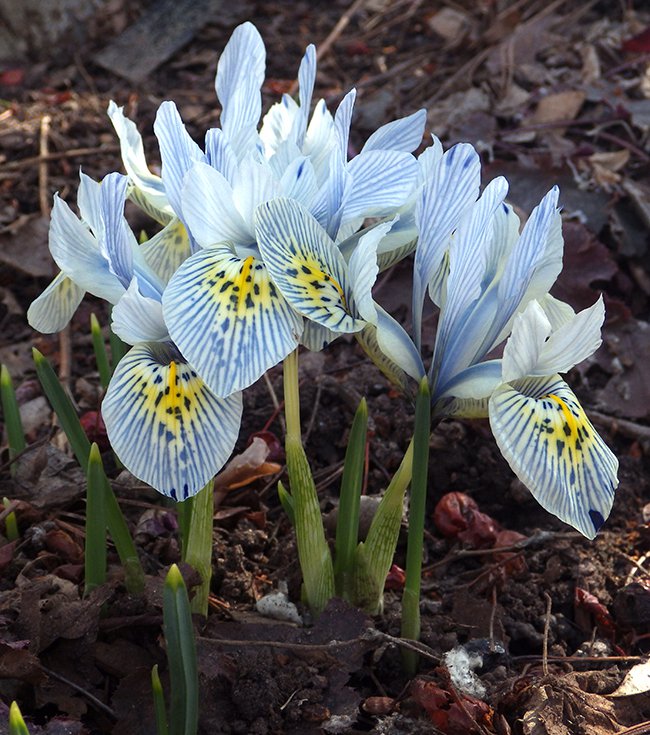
(162, 727)
(174, 579)
(13, 422)
(17, 725)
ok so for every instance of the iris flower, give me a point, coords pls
(164, 424)
(221, 306)
(489, 282)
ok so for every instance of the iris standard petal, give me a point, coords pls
(135, 163)
(451, 188)
(118, 242)
(239, 79)
(77, 253)
(178, 152)
(209, 209)
(404, 134)
(342, 122)
(306, 81)
(551, 446)
(164, 424)
(460, 330)
(54, 308)
(305, 264)
(220, 155)
(167, 250)
(228, 319)
(380, 182)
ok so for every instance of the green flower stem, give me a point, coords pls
(95, 551)
(417, 509)
(11, 413)
(181, 655)
(99, 346)
(133, 572)
(347, 526)
(184, 514)
(375, 555)
(197, 546)
(313, 552)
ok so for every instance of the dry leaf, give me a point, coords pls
(558, 107)
(637, 681)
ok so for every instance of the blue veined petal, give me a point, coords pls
(209, 209)
(557, 312)
(363, 269)
(460, 329)
(535, 274)
(54, 308)
(299, 181)
(178, 152)
(228, 319)
(305, 265)
(395, 343)
(367, 338)
(327, 205)
(138, 318)
(533, 350)
(306, 79)
(285, 154)
(320, 140)
(167, 250)
(239, 79)
(277, 124)
(219, 154)
(527, 254)
(474, 383)
(380, 182)
(135, 163)
(89, 203)
(394, 246)
(551, 446)
(404, 134)
(316, 338)
(118, 242)
(77, 254)
(165, 425)
(429, 158)
(254, 184)
(342, 122)
(450, 190)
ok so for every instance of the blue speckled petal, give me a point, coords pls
(552, 447)
(164, 424)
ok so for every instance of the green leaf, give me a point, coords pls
(181, 654)
(17, 725)
(162, 727)
(67, 416)
(11, 413)
(287, 503)
(347, 526)
(375, 556)
(197, 545)
(95, 552)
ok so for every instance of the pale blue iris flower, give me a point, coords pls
(215, 193)
(164, 424)
(489, 282)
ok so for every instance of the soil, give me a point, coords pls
(557, 620)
